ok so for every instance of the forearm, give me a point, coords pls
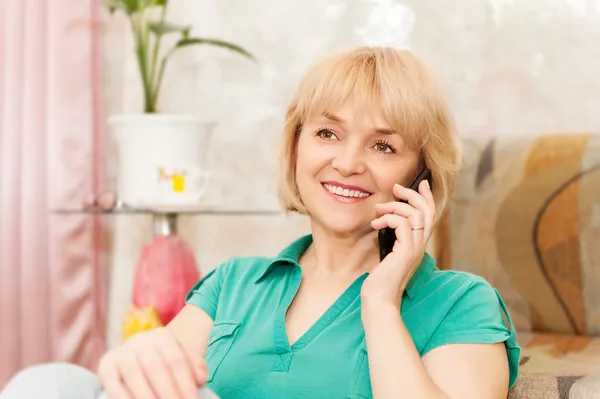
(395, 365)
(191, 327)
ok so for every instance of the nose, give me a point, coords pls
(349, 160)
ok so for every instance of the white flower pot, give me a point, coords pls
(152, 149)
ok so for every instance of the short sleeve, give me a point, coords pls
(205, 294)
(478, 317)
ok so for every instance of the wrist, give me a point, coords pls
(374, 301)
(377, 309)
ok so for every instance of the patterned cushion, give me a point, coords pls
(526, 216)
(555, 366)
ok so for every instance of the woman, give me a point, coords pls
(325, 318)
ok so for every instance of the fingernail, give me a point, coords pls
(427, 184)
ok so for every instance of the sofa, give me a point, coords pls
(526, 216)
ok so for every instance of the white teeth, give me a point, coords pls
(344, 192)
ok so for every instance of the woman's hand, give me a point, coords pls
(152, 365)
(413, 223)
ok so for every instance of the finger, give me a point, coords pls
(413, 197)
(195, 360)
(406, 234)
(198, 367)
(418, 235)
(394, 222)
(399, 208)
(154, 368)
(402, 209)
(390, 220)
(116, 390)
(110, 379)
(200, 373)
(133, 377)
(181, 368)
(425, 191)
(418, 201)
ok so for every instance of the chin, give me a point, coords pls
(342, 224)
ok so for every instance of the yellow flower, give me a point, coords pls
(139, 319)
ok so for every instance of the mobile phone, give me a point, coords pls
(387, 236)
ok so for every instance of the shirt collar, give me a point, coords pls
(290, 256)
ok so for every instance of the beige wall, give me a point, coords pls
(512, 67)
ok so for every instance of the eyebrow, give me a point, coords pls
(337, 119)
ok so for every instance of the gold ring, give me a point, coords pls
(418, 228)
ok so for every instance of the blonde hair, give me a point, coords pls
(397, 83)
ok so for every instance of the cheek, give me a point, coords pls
(310, 158)
(385, 182)
(387, 177)
(303, 160)
(306, 167)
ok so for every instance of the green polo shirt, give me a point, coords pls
(249, 355)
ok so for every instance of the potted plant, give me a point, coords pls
(151, 140)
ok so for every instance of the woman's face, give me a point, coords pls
(347, 163)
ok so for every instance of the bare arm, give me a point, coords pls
(191, 327)
(448, 372)
(470, 370)
(163, 363)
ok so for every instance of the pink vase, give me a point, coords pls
(165, 272)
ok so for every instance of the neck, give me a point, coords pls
(342, 254)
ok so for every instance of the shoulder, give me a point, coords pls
(243, 268)
(459, 286)
(238, 270)
(463, 296)
(459, 307)
(467, 309)
(236, 275)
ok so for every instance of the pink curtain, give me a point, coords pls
(51, 280)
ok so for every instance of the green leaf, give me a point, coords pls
(192, 41)
(114, 5)
(162, 28)
(133, 6)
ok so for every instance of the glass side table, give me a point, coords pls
(158, 292)
(165, 218)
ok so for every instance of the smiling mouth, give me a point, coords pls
(345, 192)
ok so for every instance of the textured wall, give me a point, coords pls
(512, 67)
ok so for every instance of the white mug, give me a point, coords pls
(181, 184)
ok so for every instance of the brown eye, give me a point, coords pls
(326, 134)
(385, 147)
